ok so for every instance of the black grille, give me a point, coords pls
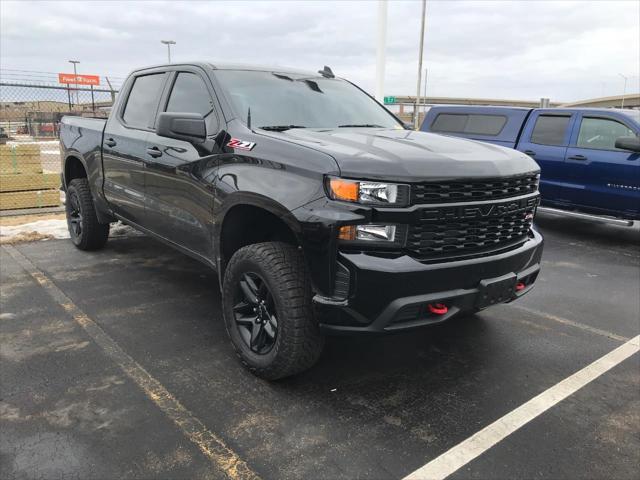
(449, 238)
(476, 190)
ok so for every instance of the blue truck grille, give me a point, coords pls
(447, 233)
(476, 190)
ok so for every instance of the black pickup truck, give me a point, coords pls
(319, 211)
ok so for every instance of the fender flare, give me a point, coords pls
(76, 155)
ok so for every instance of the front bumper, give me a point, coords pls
(391, 294)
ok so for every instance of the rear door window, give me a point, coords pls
(601, 133)
(473, 124)
(550, 129)
(140, 110)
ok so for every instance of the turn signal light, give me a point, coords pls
(346, 190)
(347, 232)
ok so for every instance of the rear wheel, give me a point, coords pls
(86, 232)
(267, 310)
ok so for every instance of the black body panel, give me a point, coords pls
(472, 199)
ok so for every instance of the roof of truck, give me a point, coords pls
(235, 66)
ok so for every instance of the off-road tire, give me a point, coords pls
(298, 342)
(92, 234)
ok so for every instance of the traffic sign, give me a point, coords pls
(388, 100)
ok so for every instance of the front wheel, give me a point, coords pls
(86, 232)
(267, 310)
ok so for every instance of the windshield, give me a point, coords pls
(280, 101)
(633, 114)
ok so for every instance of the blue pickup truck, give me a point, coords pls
(589, 158)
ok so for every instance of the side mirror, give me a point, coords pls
(190, 127)
(628, 143)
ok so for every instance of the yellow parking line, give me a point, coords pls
(208, 442)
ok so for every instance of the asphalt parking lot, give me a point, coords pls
(116, 364)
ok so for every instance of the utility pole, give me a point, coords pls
(380, 53)
(624, 89)
(416, 114)
(168, 43)
(75, 78)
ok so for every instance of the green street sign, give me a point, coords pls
(388, 100)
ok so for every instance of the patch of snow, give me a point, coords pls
(57, 228)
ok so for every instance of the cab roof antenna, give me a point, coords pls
(326, 72)
(249, 118)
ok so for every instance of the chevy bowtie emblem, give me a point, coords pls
(240, 144)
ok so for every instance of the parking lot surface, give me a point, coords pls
(117, 364)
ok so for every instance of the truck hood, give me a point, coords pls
(405, 155)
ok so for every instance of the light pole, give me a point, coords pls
(75, 78)
(416, 113)
(624, 89)
(168, 43)
(380, 50)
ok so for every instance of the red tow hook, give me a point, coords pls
(438, 308)
(520, 286)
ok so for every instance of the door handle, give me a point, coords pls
(531, 153)
(577, 157)
(154, 152)
(110, 142)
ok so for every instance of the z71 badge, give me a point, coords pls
(240, 144)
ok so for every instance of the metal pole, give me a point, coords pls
(75, 78)
(416, 114)
(168, 43)
(93, 101)
(113, 93)
(424, 108)
(69, 96)
(624, 89)
(380, 51)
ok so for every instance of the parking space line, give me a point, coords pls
(571, 323)
(463, 453)
(209, 443)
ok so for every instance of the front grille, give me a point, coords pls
(473, 190)
(446, 234)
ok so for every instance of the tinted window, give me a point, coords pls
(550, 129)
(189, 95)
(449, 122)
(142, 102)
(472, 123)
(601, 133)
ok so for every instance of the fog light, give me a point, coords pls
(374, 235)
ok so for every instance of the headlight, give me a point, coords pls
(368, 193)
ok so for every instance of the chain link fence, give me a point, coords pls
(30, 117)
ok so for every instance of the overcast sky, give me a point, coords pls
(520, 50)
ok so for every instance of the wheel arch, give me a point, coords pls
(250, 219)
(74, 167)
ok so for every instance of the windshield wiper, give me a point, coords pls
(362, 125)
(280, 128)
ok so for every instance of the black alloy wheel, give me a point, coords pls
(255, 314)
(74, 215)
(85, 230)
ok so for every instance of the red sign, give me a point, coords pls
(78, 79)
